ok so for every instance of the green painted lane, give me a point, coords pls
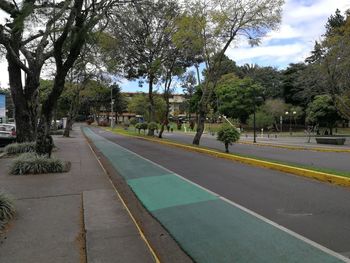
(216, 231)
(207, 227)
(128, 165)
(167, 191)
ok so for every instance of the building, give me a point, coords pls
(176, 101)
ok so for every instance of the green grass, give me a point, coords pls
(308, 167)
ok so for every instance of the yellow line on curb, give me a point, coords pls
(126, 207)
(297, 147)
(325, 177)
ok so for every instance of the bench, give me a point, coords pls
(331, 140)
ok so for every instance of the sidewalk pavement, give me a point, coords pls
(69, 217)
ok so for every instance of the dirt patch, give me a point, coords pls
(80, 240)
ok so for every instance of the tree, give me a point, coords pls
(268, 77)
(76, 27)
(228, 135)
(19, 41)
(274, 108)
(262, 120)
(143, 34)
(221, 22)
(62, 29)
(188, 84)
(138, 104)
(227, 66)
(236, 96)
(322, 111)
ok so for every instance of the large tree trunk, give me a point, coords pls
(25, 106)
(165, 122)
(200, 127)
(68, 128)
(44, 142)
(72, 114)
(208, 90)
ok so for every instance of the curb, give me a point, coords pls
(298, 147)
(324, 177)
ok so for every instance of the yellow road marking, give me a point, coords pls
(321, 176)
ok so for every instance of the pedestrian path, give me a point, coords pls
(208, 227)
(55, 212)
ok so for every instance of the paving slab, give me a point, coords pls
(45, 230)
(49, 225)
(110, 233)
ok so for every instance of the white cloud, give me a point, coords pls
(303, 22)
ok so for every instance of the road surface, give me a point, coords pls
(315, 210)
(328, 160)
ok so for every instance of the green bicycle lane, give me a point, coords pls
(208, 227)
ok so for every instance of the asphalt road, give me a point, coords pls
(316, 210)
(328, 160)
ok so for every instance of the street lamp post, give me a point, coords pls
(254, 120)
(290, 120)
(112, 108)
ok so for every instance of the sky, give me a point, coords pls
(302, 24)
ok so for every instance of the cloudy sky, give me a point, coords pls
(302, 24)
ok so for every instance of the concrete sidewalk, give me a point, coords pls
(69, 217)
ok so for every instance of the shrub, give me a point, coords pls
(89, 121)
(7, 210)
(133, 121)
(57, 132)
(228, 135)
(141, 126)
(16, 148)
(31, 163)
(152, 126)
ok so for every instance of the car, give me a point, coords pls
(7, 134)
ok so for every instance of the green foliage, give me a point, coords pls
(269, 78)
(139, 104)
(31, 163)
(262, 120)
(322, 111)
(275, 108)
(17, 148)
(141, 126)
(227, 66)
(228, 135)
(236, 96)
(152, 126)
(7, 210)
(133, 121)
(96, 95)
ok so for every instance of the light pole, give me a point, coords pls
(290, 120)
(112, 108)
(254, 120)
(254, 117)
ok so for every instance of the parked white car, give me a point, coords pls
(7, 134)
